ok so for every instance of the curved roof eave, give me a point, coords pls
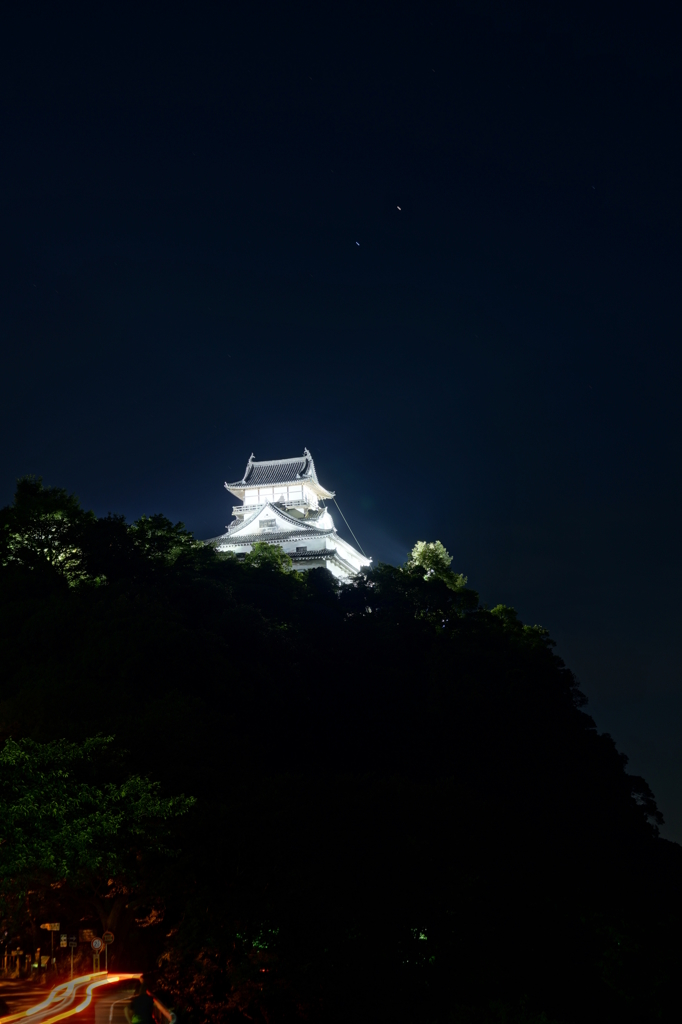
(280, 472)
(239, 489)
(295, 525)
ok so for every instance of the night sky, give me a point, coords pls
(438, 245)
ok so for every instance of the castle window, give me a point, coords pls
(266, 524)
(299, 550)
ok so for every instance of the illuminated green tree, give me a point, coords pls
(269, 556)
(67, 823)
(157, 538)
(44, 529)
(434, 560)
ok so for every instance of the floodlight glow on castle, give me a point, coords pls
(283, 504)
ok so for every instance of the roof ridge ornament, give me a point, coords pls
(283, 504)
(249, 468)
(271, 472)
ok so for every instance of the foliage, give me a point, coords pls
(44, 528)
(272, 556)
(66, 823)
(405, 811)
(432, 556)
(54, 821)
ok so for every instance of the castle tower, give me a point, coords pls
(282, 503)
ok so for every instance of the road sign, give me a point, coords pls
(108, 937)
(96, 945)
(85, 935)
(51, 927)
(62, 940)
(73, 941)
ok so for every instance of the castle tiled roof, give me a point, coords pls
(289, 528)
(279, 471)
(271, 537)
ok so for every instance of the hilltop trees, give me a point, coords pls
(44, 529)
(402, 804)
(78, 830)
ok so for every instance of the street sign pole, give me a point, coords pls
(51, 927)
(107, 939)
(96, 949)
(71, 963)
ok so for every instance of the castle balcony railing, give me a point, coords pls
(238, 522)
(246, 510)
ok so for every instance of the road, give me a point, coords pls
(96, 998)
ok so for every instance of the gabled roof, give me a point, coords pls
(280, 471)
(286, 522)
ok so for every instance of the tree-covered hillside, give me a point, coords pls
(377, 801)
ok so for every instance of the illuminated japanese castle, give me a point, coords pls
(283, 504)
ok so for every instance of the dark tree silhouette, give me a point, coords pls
(403, 809)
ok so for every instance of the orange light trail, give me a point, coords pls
(65, 990)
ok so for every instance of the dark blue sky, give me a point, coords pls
(495, 365)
